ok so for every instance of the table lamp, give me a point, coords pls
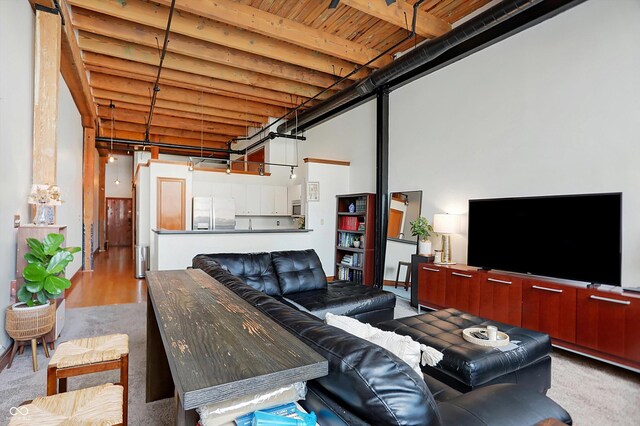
(446, 224)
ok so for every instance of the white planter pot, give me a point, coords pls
(22, 306)
(424, 247)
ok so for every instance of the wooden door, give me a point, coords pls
(608, 323)
(395, 223)
(549, 308)
(431, 285)
(119, 222)
(463, 291)
(171, 204)
(501, 298)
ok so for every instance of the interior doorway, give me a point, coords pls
(119, 222)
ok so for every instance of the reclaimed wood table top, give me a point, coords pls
(220, 347)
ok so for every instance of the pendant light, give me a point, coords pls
(111, 157)
(228, 167)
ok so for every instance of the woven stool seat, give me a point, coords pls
(90, 350)
(96, 406)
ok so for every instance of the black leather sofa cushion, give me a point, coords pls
(471, 364)
(255, 269)
(501, 405)
(298, 270)
(342, 298)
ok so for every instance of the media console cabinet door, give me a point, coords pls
(501, 298)
(463, 291)
(171, 203)
(431, 285)
(609, 323)
(550, 308)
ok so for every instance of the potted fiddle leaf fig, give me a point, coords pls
(43, 275)
(422, 229)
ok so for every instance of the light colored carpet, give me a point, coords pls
(594, 393)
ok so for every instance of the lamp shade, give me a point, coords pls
(446, 223)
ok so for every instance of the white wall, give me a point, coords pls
(16, 136)
(69, 171)
(121, 169)
(551, 110)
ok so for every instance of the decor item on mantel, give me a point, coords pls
(422, 229)
(44, 196)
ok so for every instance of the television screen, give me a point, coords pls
(576, 237)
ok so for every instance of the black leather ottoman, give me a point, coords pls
(466, 366)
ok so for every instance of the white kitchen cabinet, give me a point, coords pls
(280, 200)
(239, 194)
(294, 193)
(220, 190)
(267, 200)
(253, 205)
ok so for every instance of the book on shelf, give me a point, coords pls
(361, 205)
(349, 223)
(346, 240)
(346, 274)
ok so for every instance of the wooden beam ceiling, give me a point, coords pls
(148, 36)
(215, 32)
(399, 14)
(123, 68)
(279, 28)
(195, 135)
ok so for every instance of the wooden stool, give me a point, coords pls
(99, 405)
(407, 277)
(90, 355)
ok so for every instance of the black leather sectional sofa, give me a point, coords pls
(296, 278)
(367, 384)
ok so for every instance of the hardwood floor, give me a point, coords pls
(110, 283)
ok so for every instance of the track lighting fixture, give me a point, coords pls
(261, 170)
(293, 174)
(190, 164)
(111, 158)
(228, 167)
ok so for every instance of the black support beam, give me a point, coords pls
(382, 184)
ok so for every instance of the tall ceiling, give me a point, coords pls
(232, 64)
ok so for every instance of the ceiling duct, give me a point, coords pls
(412, 60)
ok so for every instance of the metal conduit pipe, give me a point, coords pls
(132, 142)
(413, 59)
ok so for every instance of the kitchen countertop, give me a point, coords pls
(231, 231)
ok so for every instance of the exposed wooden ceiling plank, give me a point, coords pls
(178, 106)
(148, 55)
(139, 117)
(270, 25)
(139, 136)
(148, 36)
(399, 14)
(159, 130)
(175, 113)
(218, 33)
(142, 88)
(187, 80)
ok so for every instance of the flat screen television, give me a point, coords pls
(575, 237)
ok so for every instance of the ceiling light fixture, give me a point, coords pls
(111, 157)
(117, 181)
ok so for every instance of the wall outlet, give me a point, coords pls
(277, 223)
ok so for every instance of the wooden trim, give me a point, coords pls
(89, 196)
(183, 213)
(233, 172)
(6, 357)
(325, 161)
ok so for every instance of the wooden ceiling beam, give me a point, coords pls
(138, 71)
(399, 14)
(72, 68)
(105, 126)
(148, 55)
(140, 117)
(143, 101)
(142, 88)
(287, 30)
(218, 33)
(174, 113)
(143, 35)
(139, 136)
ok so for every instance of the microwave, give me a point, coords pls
(296, 208)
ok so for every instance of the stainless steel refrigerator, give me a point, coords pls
(202, 213)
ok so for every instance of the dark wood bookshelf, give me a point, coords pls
(363, 220)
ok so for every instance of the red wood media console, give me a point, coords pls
(601, 322)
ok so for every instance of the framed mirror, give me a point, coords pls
(404, 208)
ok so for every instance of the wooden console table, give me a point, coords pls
(205, 344)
